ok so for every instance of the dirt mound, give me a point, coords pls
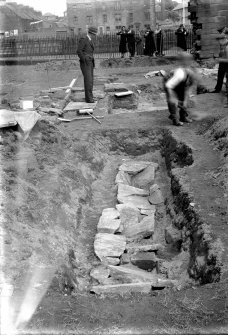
(134, 62)
(57, 65)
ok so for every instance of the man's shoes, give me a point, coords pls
(177, 123)
(186, 120)
(90, 101)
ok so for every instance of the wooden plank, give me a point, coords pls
(123, 288)
(76, 106)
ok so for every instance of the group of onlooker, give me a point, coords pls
(148, 42)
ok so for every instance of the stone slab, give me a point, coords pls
(123, 177)
(136, 201)
(100, 273)
(133, 167)
(144, 260)
(109, 226)
(115, 87)
(139, 230)
(109, 245)
(131, 274)
(110, 261)
(123, 288)
(146, 177)
(126, 190)
(76, 106)
(148, 212)
(111, 213)
(136, 247)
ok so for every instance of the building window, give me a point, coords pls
(118, 18)
(75, 19)
(131, 17)
(105, 19)
(89, 19)
(147, 16)
(118, 28)
(117, 5)
(107, 29)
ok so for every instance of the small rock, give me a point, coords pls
(111, 213)
(133, 167)
(100, 273)
(125, 259)
(173, 236)
(146, 177)
(142, 229)
(123, 177)
(126, 190)
(109, 245)
(156, 197)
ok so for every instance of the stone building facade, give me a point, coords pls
(207, 16)
(108, 15)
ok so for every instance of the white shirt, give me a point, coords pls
(178, 76)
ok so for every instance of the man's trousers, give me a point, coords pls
(87, 68)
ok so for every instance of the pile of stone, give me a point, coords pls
(124, 241)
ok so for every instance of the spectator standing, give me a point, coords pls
(139, 43)
(150, 47)
(159, 40)
(131, 41)
(123, 41)
(182, 34)
(222, 65)
(85, 53)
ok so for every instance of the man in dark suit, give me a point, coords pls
(87, 64)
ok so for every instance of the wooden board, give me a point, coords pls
(76, 106)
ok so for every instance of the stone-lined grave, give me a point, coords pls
(124, 241)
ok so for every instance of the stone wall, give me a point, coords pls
(212, 15)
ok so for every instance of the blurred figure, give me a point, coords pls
(223, 37)
(159, 39)
(182, 34)
(196, 48)
(150, 47)
(123, 41)
(131, 41)
(224, 62)
(139, 43)
(177, 87)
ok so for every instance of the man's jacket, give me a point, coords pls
(85, 50)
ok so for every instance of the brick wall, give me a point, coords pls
(212, 14)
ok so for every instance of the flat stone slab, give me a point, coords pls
(133, 167)
(123, 288)
(148, 212)
(131, 274)
(109, 245)
(111, 213)
(129, 217)
(144, 260)
(123, 177)
(146, 177)
(136, 247)
(76, 106)
(109, 226)
(139, 230)
(136, 201)
(110, 261)
(126, 190)
(115, 87)
(100, 273)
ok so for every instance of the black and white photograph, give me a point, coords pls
(113, 167)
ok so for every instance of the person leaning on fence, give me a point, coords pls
(182, 34)
(123, 41)
(177, 88)
(150, 47)
(139, 43)
(131, 41)
(85, 52)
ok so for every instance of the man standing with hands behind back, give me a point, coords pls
(85, 53)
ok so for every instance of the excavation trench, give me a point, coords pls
(67, 185)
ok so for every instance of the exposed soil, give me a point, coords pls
(56, 184)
